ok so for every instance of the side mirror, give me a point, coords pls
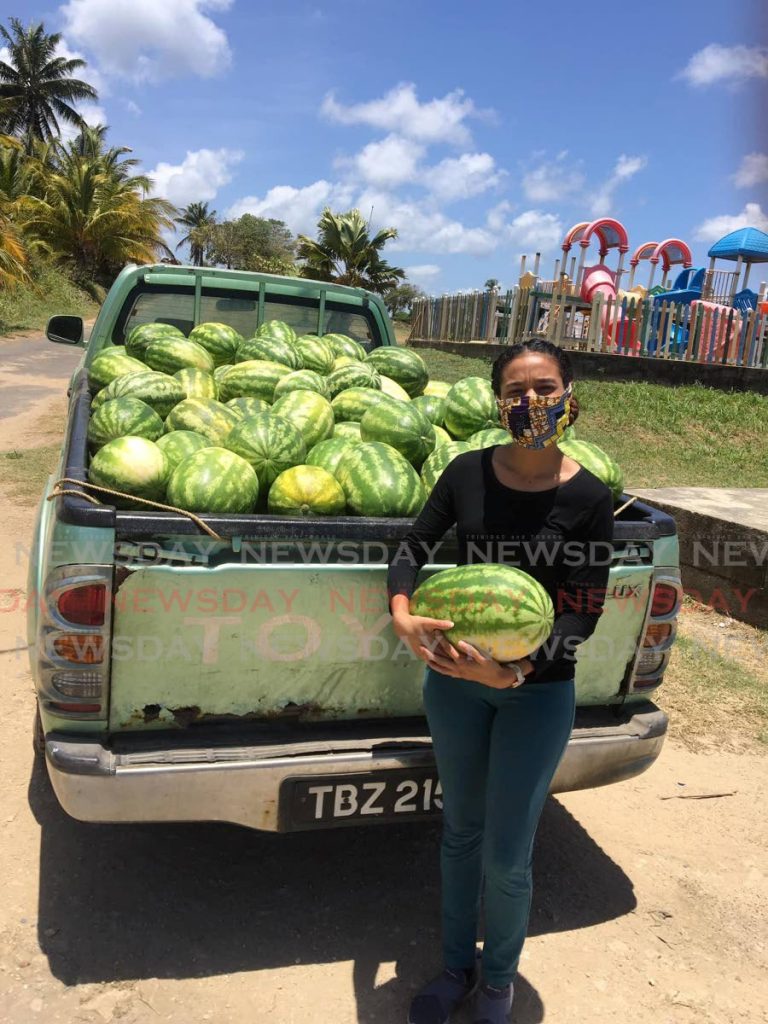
(66, 330)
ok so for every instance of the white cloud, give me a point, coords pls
(752, 171)
(133, 108)
(300, 208)
(462, 177)
(197, 178)
(716, 63)
(424, 228)
(147, 40)
(5, 54)
(422, 271)
(91, 113)
(89, 73)
(437, 120)
(553, 180)
(389, 162)
(534, 231)
(751, 216)
(626, 167)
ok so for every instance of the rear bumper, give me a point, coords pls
(172, 781)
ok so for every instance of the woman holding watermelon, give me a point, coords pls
(500, 730)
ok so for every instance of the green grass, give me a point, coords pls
(29, 307)
(23, 471)
(661, 436)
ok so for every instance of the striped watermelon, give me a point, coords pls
(269, 443)
(219, 372)
(205, 416)
(354, 375)
(438, 460)
(306, 491)
(598, 462)
(402, 425)
(213, 480)
(121, 416)
(340, 361)
(219, 340)
(112, 362)
(301, 380)
(345, 346)
(311, 414)
(432, 407)
(326, 454)
(438, 388)
(392, 388)
(315, 353)
(349, 429)
(352, 403)
(441, 436)
(159, 390)
(469, 407)
(277, 329)
(134, 465)
(247, 406)
(274, 350)
(197, 383)
(489, 436)
(255, 377)
(178, 444)
(167, 355)
(141, 335)
(569, 434)
(499, 609)
(378, 481)
(403, 365)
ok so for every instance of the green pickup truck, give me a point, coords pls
(255, 678)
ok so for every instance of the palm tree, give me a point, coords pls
(491, 285)
(90, 144)
(37, 88)
(13, 252)
(345, 252)
(199, 220)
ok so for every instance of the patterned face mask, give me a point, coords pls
(536, 422)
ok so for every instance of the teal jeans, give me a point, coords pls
(496, 753)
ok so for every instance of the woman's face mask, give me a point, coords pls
(536, 422)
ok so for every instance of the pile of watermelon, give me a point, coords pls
(291, 425)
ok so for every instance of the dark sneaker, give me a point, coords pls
(438, 999)
(493, 1005)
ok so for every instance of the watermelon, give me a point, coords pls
(269, 443)
(178, 444)
(402, 425)
(277, 329)
(489, 436)
(311, 414)
(274, 350)
(392, 388)
(141, 335)
(326, 454)
(254, 377)
(213, 480)
(120, 416)
(499, 609)
(306, 491)
(354, 375)
(315, 353)
(432, 407)
(340, 361)
(167, 355)
(219, 340)
(438, 460)
(159, 390)
(352, 403)
(345, 346)
(197, 383)
(470, 406)
(110, 363)
(301, 380)
(205, 416)
(134, 465)
(247, 406)
(438, 388)
(441, 436)
(219, 372)
(402, 365)
(569, 434)
(598, 462)
(348, 429)
(378, 481)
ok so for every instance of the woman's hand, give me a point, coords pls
(478, 667)
(424, 636)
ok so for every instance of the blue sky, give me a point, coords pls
(480, 130)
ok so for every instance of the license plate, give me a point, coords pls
(321, 801)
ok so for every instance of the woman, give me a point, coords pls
(499, 731)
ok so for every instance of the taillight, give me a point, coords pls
(658, 634)
(83, 605)
(82, 648)
(665, 598)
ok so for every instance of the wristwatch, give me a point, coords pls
(516, 669)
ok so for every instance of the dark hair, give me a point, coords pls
(546, 348)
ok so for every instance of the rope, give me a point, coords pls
(625, 505)
(57, 491)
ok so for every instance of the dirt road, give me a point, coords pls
(649, 906)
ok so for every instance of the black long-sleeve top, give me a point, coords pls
(561, 536)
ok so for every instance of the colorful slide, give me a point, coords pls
(599, 280)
